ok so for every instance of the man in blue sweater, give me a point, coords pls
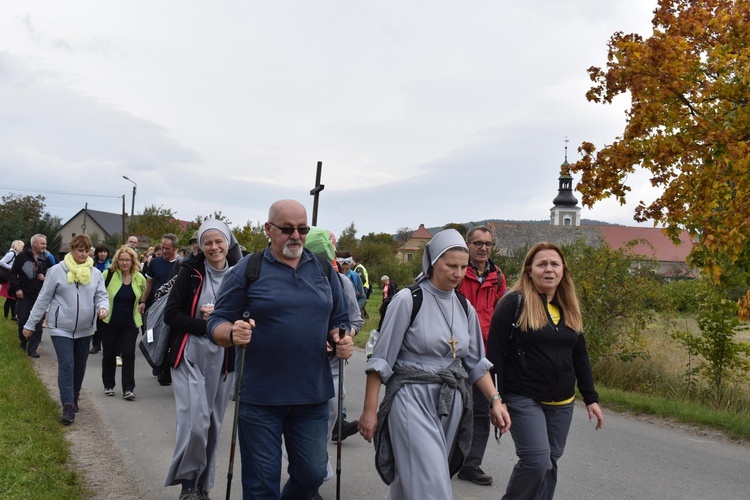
(295, 308)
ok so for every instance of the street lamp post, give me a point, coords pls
(132, 206)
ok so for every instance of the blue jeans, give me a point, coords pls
(539, 433)
(72, 355)
(304, 428)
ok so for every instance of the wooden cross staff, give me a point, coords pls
(315, 192)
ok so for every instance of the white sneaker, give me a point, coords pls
(128, 395)
(118, 361)
(109, 392)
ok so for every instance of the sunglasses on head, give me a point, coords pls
(289, 230)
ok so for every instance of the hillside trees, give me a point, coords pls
(155, 222)
(614, 300)
(21, 217)
(688, 125)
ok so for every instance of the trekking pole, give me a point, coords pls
(342, 332)
(237, 389)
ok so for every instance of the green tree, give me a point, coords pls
(252, 237)
(723, 359)
(688, 126)
(613, 299)
(458, 227)
(384, 238)
(21, 217)
(348, 239)
(511, 263)
(155, 222)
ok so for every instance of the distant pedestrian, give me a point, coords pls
(6, 264)
(364, 277)
(102, 260)
(26, 280)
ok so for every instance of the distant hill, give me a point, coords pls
(469, 225)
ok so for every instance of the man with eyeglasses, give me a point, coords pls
(295, 308)
(483, 285)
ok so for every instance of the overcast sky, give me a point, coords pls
(422, 111)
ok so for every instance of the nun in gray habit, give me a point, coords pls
(423, 428)
(202, 372)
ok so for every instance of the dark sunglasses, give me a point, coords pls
(288, 230)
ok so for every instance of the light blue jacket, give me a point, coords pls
(72, 307)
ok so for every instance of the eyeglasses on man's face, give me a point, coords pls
(480, 244)
(289, 230)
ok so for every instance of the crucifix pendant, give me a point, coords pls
(453, 343)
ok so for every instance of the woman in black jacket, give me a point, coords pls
(537, 365)
(202, 372)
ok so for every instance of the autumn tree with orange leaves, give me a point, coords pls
(688, 125)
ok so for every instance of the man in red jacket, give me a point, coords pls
(483, 286)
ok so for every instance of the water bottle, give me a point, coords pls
(371, 341)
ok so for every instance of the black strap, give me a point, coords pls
(416, 297)
(515, 329)
(108, 278)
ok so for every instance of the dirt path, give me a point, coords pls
(93, 448)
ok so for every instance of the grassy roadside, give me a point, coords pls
(34, 454)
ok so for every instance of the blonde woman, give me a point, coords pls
(120, 328)
(537, 366)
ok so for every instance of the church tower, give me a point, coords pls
(565, 211)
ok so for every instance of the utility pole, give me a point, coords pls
(132, 205)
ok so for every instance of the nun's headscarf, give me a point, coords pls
(234, 254)
(438, 245)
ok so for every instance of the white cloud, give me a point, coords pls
(422, 112)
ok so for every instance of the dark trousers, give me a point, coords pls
(71, 366)
(23, 311)
(9, 307)
(539, 433)
(481, 431)
(118, 339)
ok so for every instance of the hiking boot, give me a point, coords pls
(68, 415)
(189, 494)
(108, 391)
(476, 476)
(129, 396)
(347, 429)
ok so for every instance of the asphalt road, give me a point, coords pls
(628, 459)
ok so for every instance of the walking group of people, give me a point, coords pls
(456, 351)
